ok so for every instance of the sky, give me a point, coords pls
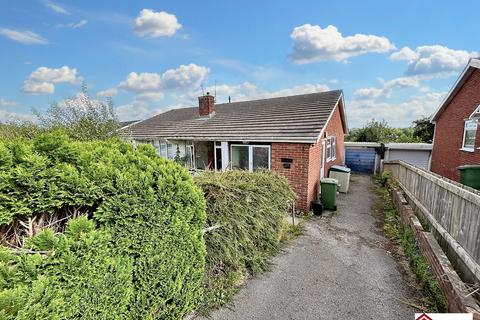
(394, 60)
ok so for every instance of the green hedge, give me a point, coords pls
(139, 255)
(249, 210)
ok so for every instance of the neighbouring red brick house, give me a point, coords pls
(300, 137)
(457, 138)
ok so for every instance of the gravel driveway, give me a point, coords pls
(338, 269)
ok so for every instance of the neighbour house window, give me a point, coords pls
(331, 148)
(469, 132)
(251, 157)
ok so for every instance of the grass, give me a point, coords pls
(406, 246)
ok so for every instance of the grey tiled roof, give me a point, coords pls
(297, 118)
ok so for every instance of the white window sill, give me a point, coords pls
(331, 159)
(468, 149)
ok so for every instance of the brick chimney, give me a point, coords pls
(206, 105)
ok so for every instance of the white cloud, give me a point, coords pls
(433, 60)
(152, 86)
(24, 37)
(57, 8)
(396, 114)
(111, 92)
(6, 103)
(184, 76)
(73, 25)
(8, 116)
(136, 110)
(43, 80)
(311, 43)
(156, 24)
(249, 91)
(387, 88)
(149, 96)
(141, 82)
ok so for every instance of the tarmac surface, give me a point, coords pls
(338, 269)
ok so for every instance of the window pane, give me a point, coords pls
(469, 138)
(171, 150)
(163, 149)
(218, 153)
(470, 132)
(188, 156)
(334, 147)
(328, 149)
(240, 157)
(260, 158)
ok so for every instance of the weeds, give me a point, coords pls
(406, 245)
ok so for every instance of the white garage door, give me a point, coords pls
(418, 158)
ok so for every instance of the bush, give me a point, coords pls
(249, 211)
(139, 255)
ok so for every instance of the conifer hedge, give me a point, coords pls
(248, 210)
(136, 251)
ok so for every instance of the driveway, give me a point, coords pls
(338, 269)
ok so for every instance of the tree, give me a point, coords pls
(380, 131)
(423, 129)
(82, 117)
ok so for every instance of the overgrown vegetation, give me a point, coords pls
(133, 247)
(81, 118)
(100, 230)
(248, 210)
(406, 244)
(421, 130)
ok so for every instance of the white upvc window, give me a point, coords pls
(250, 157)
(331, 152)
(334, 147)
(469, 133)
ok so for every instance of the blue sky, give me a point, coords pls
(395, 60)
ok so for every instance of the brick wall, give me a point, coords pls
(304, 172)
(446, 154)
(297, 174)
(335, 127)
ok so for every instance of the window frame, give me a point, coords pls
(331, 148)
(472, 147)
(250, 154)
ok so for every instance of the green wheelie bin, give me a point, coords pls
(470, 175)
(329, 193)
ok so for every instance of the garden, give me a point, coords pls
(102, 230)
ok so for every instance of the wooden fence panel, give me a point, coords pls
(452, 209)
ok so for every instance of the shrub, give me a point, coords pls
(139, 255)
(249, 211)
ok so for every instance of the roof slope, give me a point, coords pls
(298, 118)
(471, 66)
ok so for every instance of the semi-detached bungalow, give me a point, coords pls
(299, 136)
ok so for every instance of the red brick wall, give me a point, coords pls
(314, 165)
(304, 172)
(335, 127)
(297, 175)
(446, 154)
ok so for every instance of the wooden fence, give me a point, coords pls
(452, 210)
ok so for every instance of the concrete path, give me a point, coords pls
(338, 269)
